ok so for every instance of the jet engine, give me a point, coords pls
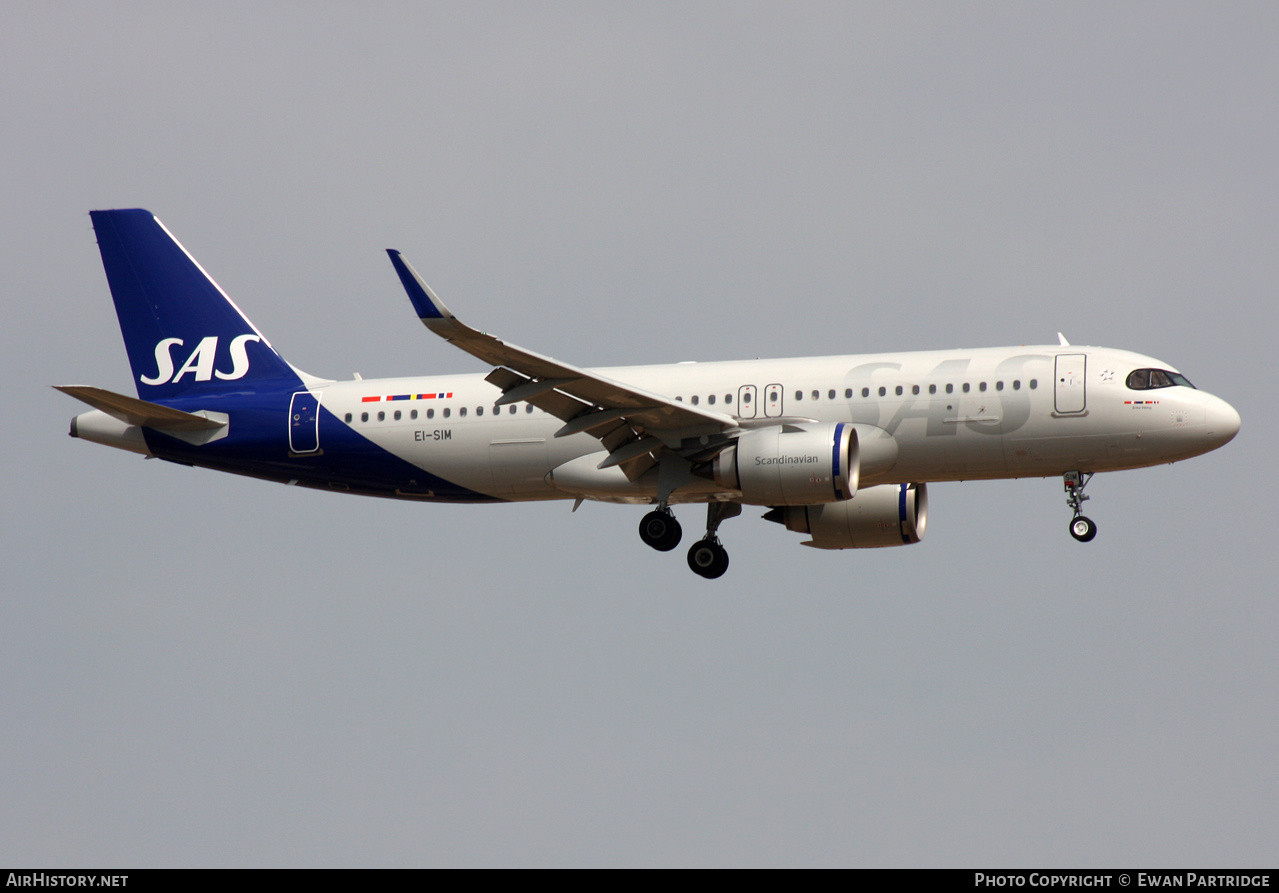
(802, 464)
(887, 515)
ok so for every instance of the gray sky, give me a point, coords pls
(204, 670)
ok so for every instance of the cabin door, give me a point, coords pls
(304, 422)
(1068, 386)
(773, 401)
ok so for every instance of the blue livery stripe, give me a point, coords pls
(839, 430)
(901, 511)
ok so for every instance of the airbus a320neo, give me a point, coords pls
(839, 448)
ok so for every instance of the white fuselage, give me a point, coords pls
(920, 416)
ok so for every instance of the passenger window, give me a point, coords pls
(746, 398)
(381, 417)
(348, 417)
(397, 415)
(529, 408)
(817, 395)
(479, 410)
(1034, 383)
(848, 393)
(799, 395)
(447, 412)
(950, 389)
(364, 417)
(865, 392)
(932, 389)
(710, 400)
(728, 398)
(899, 390)
(914, 389)
(982, 386)
(512, 412)
(1016, 384)
(413, 414)
(462, 412)
(883, 391)
(967, 387)
(430, 413)
(999, 385)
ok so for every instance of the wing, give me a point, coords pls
(634, 425)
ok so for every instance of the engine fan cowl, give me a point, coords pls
(804, 464)
(887, 515)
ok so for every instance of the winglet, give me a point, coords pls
(1062, 339)
(427, 305)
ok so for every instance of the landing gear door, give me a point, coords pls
(304, 422)
(1069, 390)
(746, 402)
(773, 401)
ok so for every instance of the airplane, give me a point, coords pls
(840, 448)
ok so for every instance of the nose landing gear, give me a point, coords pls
(1081, 528)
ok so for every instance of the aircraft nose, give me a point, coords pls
(1221, 422)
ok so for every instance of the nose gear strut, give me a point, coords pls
(1081, 528)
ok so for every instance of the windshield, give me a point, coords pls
(1149, 379)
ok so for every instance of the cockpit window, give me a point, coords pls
(1149, 379)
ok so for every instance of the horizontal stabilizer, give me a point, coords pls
(133, 411)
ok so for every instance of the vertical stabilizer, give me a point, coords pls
(184, 336)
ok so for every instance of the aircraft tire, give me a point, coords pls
(708, 559)
(660, 530)
(1083, 529)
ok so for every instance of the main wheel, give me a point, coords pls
(1083, 529)
(660, 530)
(708, 559)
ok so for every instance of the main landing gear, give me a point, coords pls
(1081, 528)
(660, 530)
(707, 557)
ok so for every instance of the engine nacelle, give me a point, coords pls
(887, 515)
(803, 464)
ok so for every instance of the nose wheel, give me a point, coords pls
(1081, 528)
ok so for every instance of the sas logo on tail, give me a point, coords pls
(200, 363)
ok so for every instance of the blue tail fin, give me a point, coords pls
(183, 334)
